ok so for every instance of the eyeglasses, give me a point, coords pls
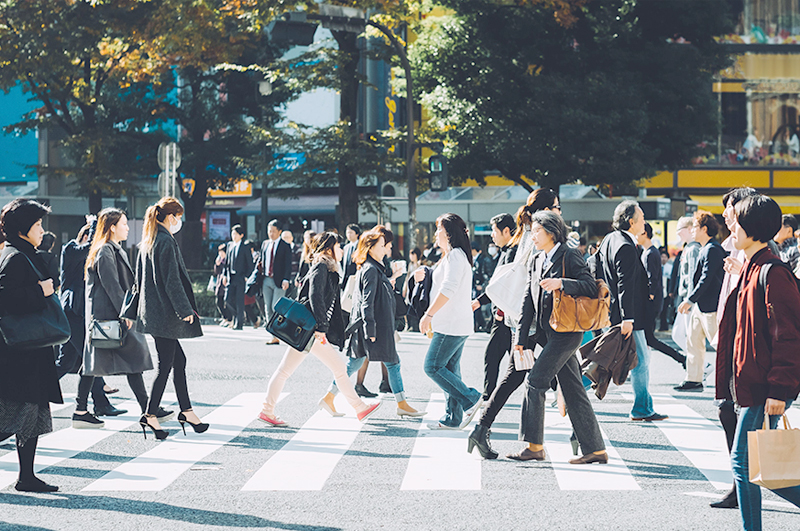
(556, 207)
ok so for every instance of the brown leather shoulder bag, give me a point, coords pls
(580, 314)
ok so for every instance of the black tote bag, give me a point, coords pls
(46, 328)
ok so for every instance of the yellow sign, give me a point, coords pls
(242, 188)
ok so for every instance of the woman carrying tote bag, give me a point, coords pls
(28, 378)
(108, 276)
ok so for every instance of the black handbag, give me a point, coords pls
(107, 334)
(46, 328)
(293, 323)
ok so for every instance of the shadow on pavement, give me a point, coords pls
(150, 508)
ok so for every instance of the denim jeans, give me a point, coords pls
(640, 378)
(749, 494)
(393, 369)
(443, 366)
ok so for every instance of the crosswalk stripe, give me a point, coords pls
(309, 458)
(157, 468)
(439, 460)
(67, 402)
(67, 443)
(612, 476)
(700, 440)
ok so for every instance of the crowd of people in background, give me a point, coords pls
(362, 293)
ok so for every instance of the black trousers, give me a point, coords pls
(234, 298)
(135, 381)
(25, 455)
(222, 308)
(654, 343)
(170, 358)
(499, 344)
(510, 383)
(666, 313)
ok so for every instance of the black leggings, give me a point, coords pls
(654, 343)
(25, 455)
(170, 358)
(135, 381)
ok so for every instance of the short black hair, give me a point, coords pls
(504, 221)
(623, 215)
(475, 245)
(275, 223)
(648, 230)
(415, 251)
(664, 250)
(238, 229)
(789, 220)
(737, 194)
(355, 228)
(759, 216)
(18, 216)
(48, 240)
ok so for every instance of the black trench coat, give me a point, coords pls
(374, 303)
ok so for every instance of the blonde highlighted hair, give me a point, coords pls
(106, 219)
(157, 214)
(366, 242)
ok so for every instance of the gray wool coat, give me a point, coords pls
(165, 291)
(107, 281)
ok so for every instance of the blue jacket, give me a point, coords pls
(708, 277)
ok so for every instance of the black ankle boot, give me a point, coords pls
(480, 438)
(728, 502)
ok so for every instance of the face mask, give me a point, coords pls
(493, 251)
(175, 228)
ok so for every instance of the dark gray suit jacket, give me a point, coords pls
(626, 278)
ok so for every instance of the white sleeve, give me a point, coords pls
(454, 269)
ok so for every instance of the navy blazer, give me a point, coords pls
(239, 261)
(708, 277)
(626, 278)
(282, 267)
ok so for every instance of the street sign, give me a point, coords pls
(167, 188)
(168, 154)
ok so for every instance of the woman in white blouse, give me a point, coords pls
(449, 316)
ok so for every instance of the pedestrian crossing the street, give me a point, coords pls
(436, 461)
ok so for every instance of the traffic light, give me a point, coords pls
(438, 173)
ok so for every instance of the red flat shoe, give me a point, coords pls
(364, 415)
(275, 421)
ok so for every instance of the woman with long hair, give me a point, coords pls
(108, 276)
(372, 318)
(541, 200)
(555, 267)
(321, 288)
(28, 378)
(449, 317)
(305, 257)
(167, 310)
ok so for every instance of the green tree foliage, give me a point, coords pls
(606, 91)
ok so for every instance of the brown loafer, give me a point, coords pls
(527, 455)
(590, 458)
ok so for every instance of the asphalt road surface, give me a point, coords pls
(326, 473)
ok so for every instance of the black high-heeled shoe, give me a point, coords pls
(480, 438)
(160, 434)
(200, 427)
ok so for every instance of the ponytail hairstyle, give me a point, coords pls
(366, 242)
(537, 200)
(157, 214)
(106, 219)
(456, 231)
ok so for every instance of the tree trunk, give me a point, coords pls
(95, 201)
(348, 190)
(192, 232)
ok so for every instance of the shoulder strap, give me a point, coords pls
(762, 274)
(35, 269)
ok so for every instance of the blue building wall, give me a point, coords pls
(16, 152)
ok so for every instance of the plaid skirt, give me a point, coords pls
(24, 419)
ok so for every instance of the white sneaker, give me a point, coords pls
(470, 413)
(440, 426)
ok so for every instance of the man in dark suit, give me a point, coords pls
(503, 229)
(627, 281)
(701, 303)
(353, 232)
(651, 259)
(275, 263)
(238, 266)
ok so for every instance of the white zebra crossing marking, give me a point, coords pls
(439, 460)
(700, 440)
(156, 469)
(612, 476)
(67, 443)
(309, 458)
(67, 402)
